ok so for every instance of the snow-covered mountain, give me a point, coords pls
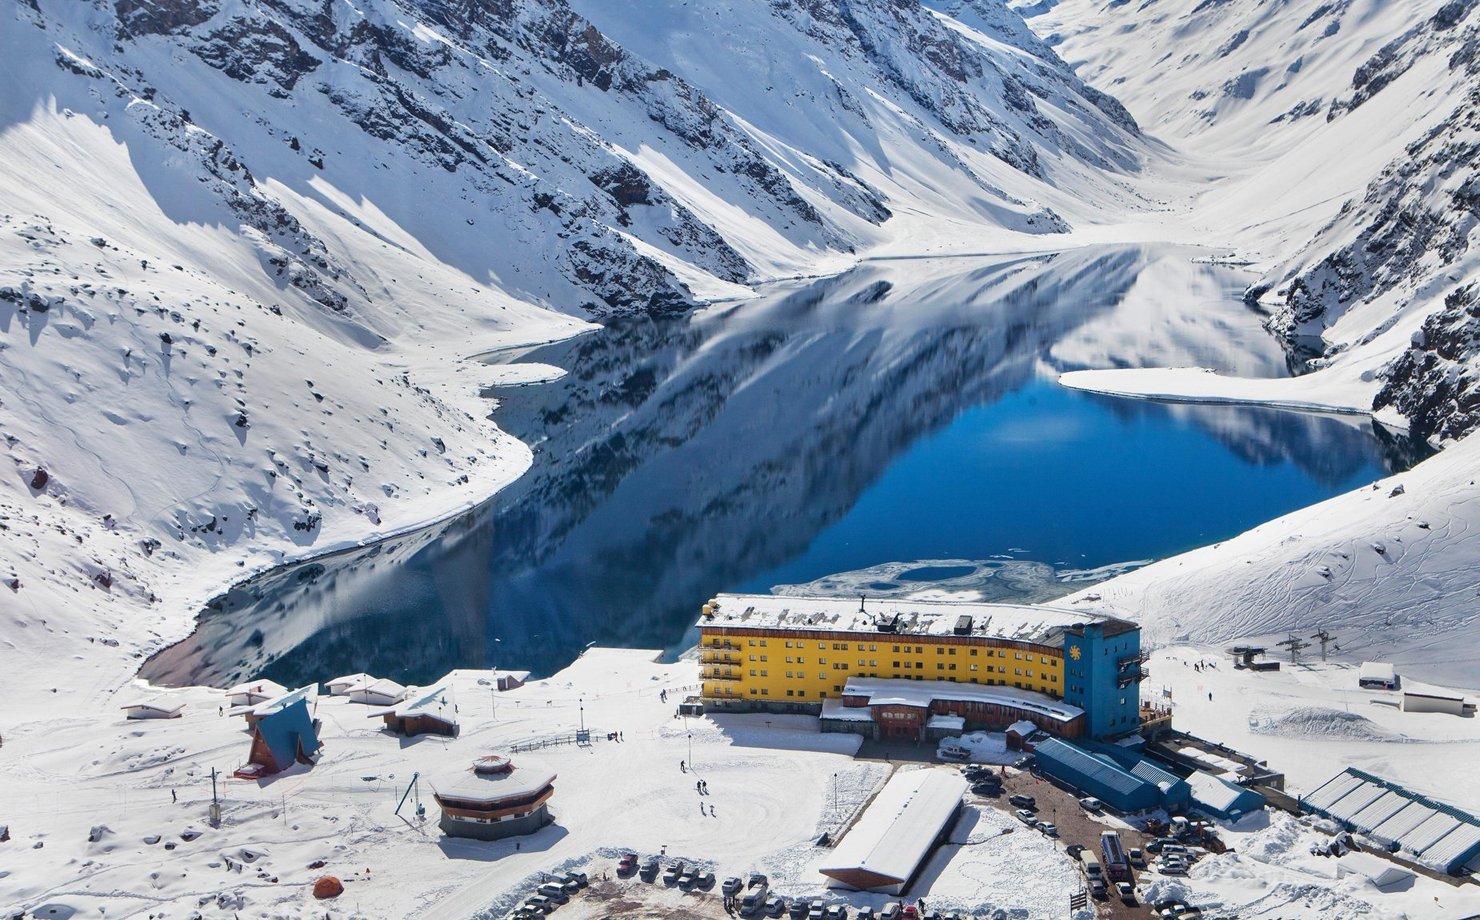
(244, 244)
(1349, 133)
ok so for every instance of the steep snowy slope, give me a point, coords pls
(1348, 132)
(247, 242)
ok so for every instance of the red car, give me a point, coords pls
(627, 864)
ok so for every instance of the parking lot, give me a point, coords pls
(1077, 826)
(634, 893)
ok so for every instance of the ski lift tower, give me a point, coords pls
(1295, 644)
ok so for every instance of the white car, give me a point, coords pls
(1090, 803)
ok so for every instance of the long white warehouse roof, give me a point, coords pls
(896, 832)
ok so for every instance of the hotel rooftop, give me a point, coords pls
(902, 617)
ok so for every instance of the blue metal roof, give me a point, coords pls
(1080, 761)
(288, 731)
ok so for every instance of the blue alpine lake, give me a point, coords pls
(904, 411)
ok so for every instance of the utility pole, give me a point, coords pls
(1295, 644)
(215, 802)
(1326, 639)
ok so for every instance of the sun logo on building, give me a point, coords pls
(1074, 652)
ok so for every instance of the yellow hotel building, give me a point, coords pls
(984, 662)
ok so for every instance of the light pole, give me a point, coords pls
(835, 795)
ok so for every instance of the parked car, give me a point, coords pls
(910, 913)
(540, 903)
(1090, 803)
(864, 913)
(732, 885)
(704, 880)
(578, 877)
(774, 907)
(891, 911)
(554, 892)
(627, 864)
(1098, 889)
(815, 909)
(672, 874)
(1025, 816)
(1137, 858)
(1156, 845)
(798, 909)
(1126, 891)
(835, 912)
(1023, 801)
(1049, 828)
(649, 870)
(686, 881)
(756, 880)
(986, 788)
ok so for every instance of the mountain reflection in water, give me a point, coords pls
(903, 410)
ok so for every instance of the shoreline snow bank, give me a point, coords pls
(1322, 391)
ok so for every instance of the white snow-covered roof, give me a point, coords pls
(160, 706)
(436, 703)
(1040, 625)
(352, 680)
(1375, 869)
(1022, 727)
(1376, 670)
(884, 691)
(384, 688)
(283, 701)
(1215, 793)
(526, 778)
(951, 723)
(263, 687)
(894, 835)
(834, 709)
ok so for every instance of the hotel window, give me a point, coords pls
(789, 693)
(801, 660)
(821, 676)
(872, 647)
(752, 691)
(973, 651)
(763, 658)
(752, 672)
(789, 674)
(788, 643)
(752, 642)
(822, 661)
(763, 643)
(763, 673)
(940, 665)
(765, 692)
(873, 663)
(1030, 672)
(752, 657)
(1017, 672)
(973, 667)
(951, 650)
(939, 650)
(1018, 655)
(788, 659)
(919, 650)
(860, 662)
(896, 648)
(953, 666)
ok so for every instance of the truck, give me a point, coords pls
(1117, 865)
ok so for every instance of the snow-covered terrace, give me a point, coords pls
(1017, 622)
(898, 692)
